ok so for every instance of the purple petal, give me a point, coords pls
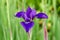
(42, 16)
(26, 18)
(33, 13)
(19, 14)
(28, 11)
(27, 25)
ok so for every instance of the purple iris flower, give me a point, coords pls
(28, 17)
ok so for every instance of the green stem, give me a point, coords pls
(9, 25)
(45, 30)
(30, 34)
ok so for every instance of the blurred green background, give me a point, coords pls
(10, 28)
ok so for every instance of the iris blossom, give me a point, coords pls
(28, 17)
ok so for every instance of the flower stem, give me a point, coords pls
(45, 31)
(30, 35)
(8, 16)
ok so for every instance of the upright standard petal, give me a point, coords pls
(42, 16)
(27, 25)
(19, 14)
(32, 14)
(28, 11)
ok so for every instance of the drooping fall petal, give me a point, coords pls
(19, 14)
(42, 16)
(27, 25)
